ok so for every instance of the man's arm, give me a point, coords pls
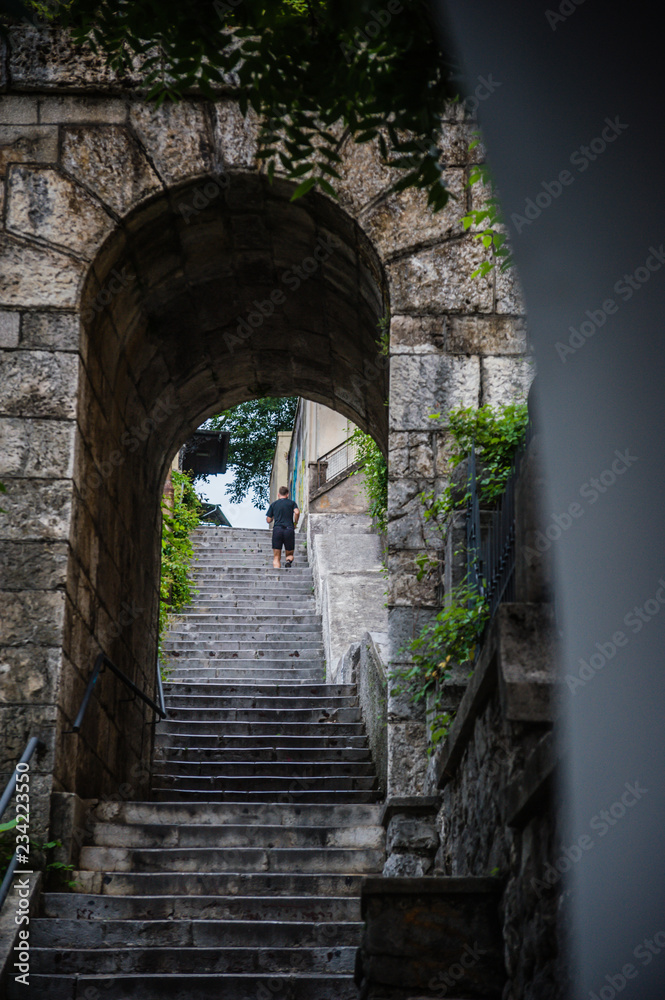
(268, 519)
(296, 516)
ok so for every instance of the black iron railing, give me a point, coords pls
(490, 547)
(103, 661)
(34, 743)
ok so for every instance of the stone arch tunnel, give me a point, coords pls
(213, 293)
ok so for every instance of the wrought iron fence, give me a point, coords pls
(490, 547)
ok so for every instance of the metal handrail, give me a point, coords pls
(33, 744)
(326, 467)
(103, 660)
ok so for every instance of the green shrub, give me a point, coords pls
(497, 435)
(178, 522)
(375, 485)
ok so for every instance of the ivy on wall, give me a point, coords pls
(179, 519)
(451, 638)
(375, 485)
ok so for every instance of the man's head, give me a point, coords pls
(283, 491)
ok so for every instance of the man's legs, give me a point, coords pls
(289, 556)
(277, 558)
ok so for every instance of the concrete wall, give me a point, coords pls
(344, 552)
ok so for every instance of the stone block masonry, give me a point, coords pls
(104, 378)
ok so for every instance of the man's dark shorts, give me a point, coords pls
(283, 536)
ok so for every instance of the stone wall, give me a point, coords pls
(497, 812)
(128, 314)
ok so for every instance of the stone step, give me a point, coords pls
(222, 730)
(248, 668)
(197, 860)
(319, 754)
(221, 675)
(219, 814)
(198, 986)
(296, 794)
(253, 646)
(77, 906)
(321, 691)
(274, 716)
(265, 629)
(246, 784)
(238, 701)
(179, 959)
(236, 618)
(184, 934)
(270, 741)
(154, 835)
(262, 768)
(238, 884)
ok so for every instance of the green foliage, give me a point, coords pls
(253, 426)
(308, 68)
(497, 435)
(375, 485)
(39, 856)
(450, 638)
(178, 522)
(492, 235)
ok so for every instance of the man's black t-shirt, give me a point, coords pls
(282, 510)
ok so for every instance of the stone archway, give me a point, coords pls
(96, 184)
(216, 292)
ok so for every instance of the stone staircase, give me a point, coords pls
(241, 880)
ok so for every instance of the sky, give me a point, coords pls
(241, 515)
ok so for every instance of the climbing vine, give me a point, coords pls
(179, 518)
(497, 435)
(451, 638)
(375, 485)
(489, 217)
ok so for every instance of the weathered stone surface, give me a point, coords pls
(35, 509)
(29, 673)
(406, 623)
(455, 142)
(405, 220)
(48, 59)
(485, 335)
(506, 380)
(417, 333)
(17, 109)
(406, 866)
(177, 138)
(407, 757)
(10, 323)
(27, 144)
(439, 280)
(36, 448)
(43, 203)
(411, 835)
(424, 936)
(50, 331)
(528, 667)
(38, 383)
(34, 616)
(423, 384)
(92, 156)
(236, 137)
(407, 527)
(33, 276)
(82, 109)
(509, 295)
(404, 587)
(363, 175)
(26, 564)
